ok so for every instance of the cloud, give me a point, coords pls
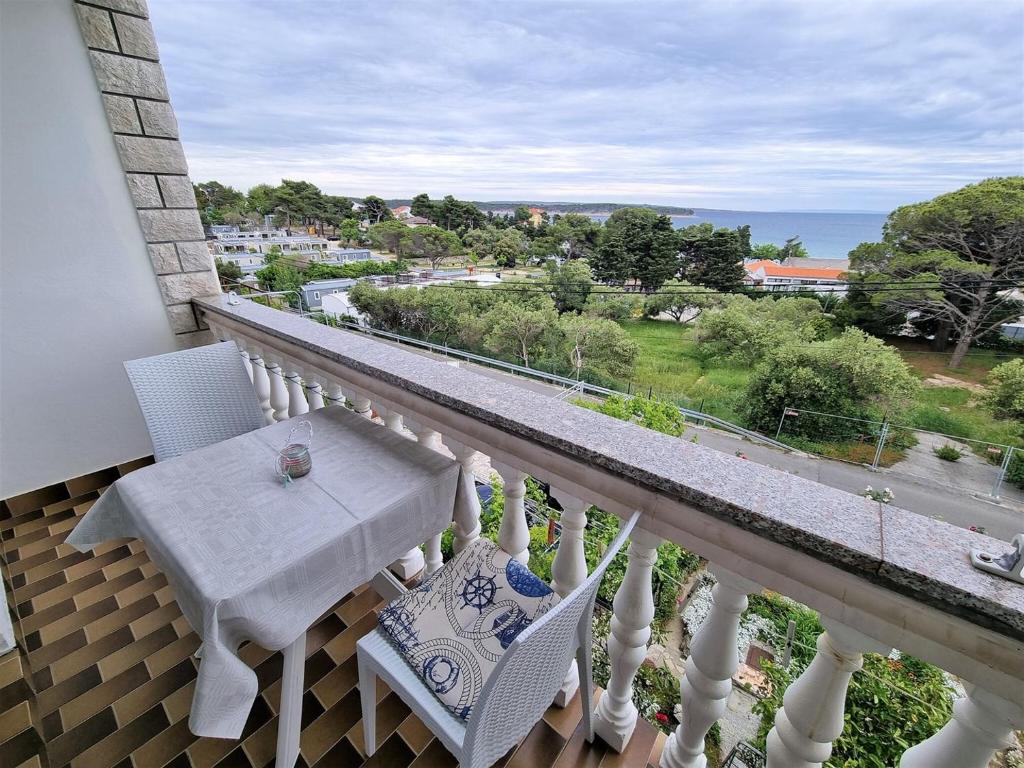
(743, 105)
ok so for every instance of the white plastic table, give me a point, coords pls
(252, 559)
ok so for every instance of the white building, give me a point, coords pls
(772, 276)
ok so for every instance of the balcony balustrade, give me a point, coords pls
(880, 577)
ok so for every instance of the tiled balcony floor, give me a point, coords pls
(108, 657)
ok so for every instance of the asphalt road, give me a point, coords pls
(957, 506)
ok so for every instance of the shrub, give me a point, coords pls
(1005, 394)
(745, 330)
(1015, 472)
(947, 453)
(852, 375)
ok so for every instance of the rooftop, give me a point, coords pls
(774, 269)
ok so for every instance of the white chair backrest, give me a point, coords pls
(194, 398)
(530, 672)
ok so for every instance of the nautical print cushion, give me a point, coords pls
(453, 628)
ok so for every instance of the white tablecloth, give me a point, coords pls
(252, 559)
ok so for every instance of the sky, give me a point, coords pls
(743, 105)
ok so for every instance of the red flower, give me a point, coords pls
(661, 717)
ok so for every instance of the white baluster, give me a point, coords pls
(246, 362)
(616, 715)
(316, 394)
(335, 394)
(811, 717)
(261, 384)
(514, 533)
(360, 405)
(705, 686)
(278, 392)
(467, 521)
(431, 439)
(569, 570)
(412, 562)
(297, 404)
(981, 724)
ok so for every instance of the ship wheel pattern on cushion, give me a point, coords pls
(454, 628)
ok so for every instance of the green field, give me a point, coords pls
(670, 367)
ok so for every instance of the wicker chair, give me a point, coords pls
(194, 398)
(519, 690)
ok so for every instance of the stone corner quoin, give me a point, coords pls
(126, 62)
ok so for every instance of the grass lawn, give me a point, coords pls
(670, 368)
(974, 369)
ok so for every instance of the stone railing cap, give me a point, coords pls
(908, 553)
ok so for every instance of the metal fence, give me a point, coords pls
(577, 386)
(975, 465)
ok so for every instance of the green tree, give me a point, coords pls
(457, 215)
(746, 330)
(636, 245)
(434, 244)
(375, 210)
(422, 206)
(680, 299)
(575, 235)
(350, 233)
(793, 249)
(228, 270)
(259, 200)
(570, 285)
(766, 252)
(391, 235)
(298, 201)
(596, 344)
(1005, 394)
(519, 331)
(335, 211)
(509, 248)
(712, 257)
(613, 304)
(954, 258)
(216, 200)
(652, 413)
(853, 375)
(521, 215)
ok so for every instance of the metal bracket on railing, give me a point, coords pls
(576, 388)
(1009, 566)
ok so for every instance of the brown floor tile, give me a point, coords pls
(131, 466)
(150, 693)
(393, 753)
(577, 752)
(62, 749)
(637, 751)
(341, 755)
(108, 588)
(22, 748)
(28, 591)
(14, 721)
(120, 744)
(128, 616)
(170, 656)
(337, 683)
(68, 623)
(344, 645)
(85, 706)
(435, 756)
(73, 663)
(96, 562)
(164, 747)
(60, 593)
(26, 502)
(91, 482)
(327, 729)
(659, 745)
(391, 711)
(565, 719)
(58, 649)
(10, 668)
(47, 616)
(50, 699)
(358, 606)
(415, 733)
(179, 703)
(539, 747)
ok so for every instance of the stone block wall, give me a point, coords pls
(126, 62)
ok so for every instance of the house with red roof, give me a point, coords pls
(772, 276)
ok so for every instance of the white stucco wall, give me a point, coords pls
(77, 291)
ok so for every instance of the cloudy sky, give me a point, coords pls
(743, 105)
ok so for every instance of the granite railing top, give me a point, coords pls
(910, 554)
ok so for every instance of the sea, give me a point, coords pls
(824, 235)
